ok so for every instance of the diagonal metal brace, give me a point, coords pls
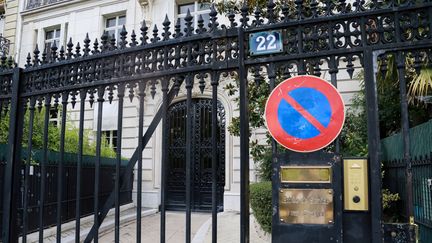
(131, 164)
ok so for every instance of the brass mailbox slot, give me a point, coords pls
(305, 174)
(356, 196)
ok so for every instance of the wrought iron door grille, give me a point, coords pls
(201, 159)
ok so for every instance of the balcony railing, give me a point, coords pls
(31, 4)
(4, 46)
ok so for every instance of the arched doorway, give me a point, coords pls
(201, 156)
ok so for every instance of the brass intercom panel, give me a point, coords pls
(356, 196)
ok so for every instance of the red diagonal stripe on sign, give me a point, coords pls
(304, 113)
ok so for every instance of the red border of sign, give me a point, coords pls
(312, 144)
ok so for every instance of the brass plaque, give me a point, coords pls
(305, 174)
(306, 206)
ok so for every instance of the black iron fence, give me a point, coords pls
(395, 181)
(69, 197)
(395, 177)
(317, 35)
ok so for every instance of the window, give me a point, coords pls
(110, 138)
(109, 115)
(195, 9)
(51, 36)
(114, 25)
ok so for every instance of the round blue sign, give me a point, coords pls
(311, 101)
(305, 113)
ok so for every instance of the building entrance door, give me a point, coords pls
(201, 167)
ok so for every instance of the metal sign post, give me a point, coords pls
(305, 114)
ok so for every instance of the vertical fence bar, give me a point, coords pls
(400, 60)
(301, 69)
(370, 67)
(215, 159)
(83, 94)
(215, 153)
(12, 172)
(424, 188)
(100, 100)
(419, 197)
(333, 79)
(141, 94)
(60, 166)
(120, 95)
(429, 191)
(271, 70)
(244, 142)
(27, 169)
(165, 82)
(189, 85)
(333, 70)
(43, 166)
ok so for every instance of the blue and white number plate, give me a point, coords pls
(266, 42)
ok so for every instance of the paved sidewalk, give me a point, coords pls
(150, 226)
(228, 229)
(127, 215)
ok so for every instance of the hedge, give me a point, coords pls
(70, 159)
(261, 203)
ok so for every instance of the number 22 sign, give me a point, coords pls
(266, 42)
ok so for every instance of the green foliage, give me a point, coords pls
(257, 94)
(54, 133)
(354, 132)
(389, 198)
(421, 84)
(389, 99)
(235, 6)
(261, 203)
(353, 138)
(260, 150)
(262, 155)
(4, 127)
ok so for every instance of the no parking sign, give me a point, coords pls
(305, 113)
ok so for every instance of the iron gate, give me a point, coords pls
(318, 35)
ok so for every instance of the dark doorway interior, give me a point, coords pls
(201, 156)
